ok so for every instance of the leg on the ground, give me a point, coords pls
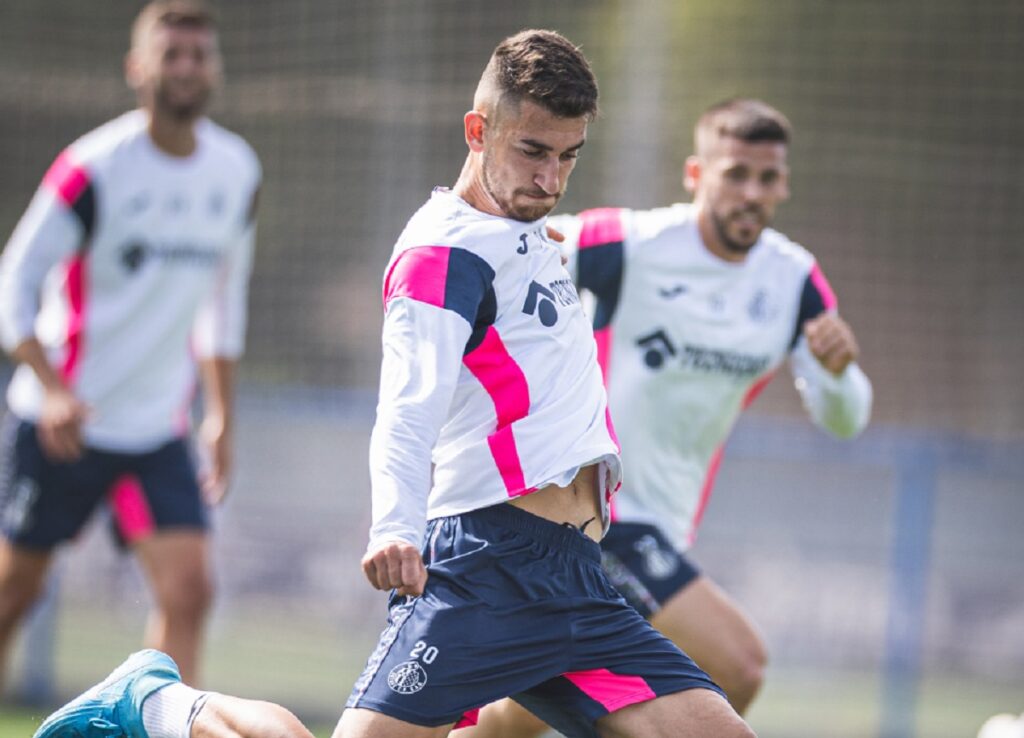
(232, 717)
(118, 706)
(711, 629)
(362, 723)
(22, 575)
(505, 719)
(693, 713)
(177, 566)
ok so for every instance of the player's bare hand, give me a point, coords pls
(216, 442)
(831, 341)
(59, 427)
(396, 565)
(558, 237)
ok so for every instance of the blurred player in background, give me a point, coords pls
(131, 263)
(492, 460)
(696, 308)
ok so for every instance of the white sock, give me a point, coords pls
(169, 712)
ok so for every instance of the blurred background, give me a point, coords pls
(886, 573)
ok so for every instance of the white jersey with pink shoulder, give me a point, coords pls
(127, 265)
(686, 340)
(490, 387)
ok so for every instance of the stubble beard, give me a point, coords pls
(740, 248)
(506, 206)
(181, 112)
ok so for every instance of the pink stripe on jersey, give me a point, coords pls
(501, 376)
(716, 459)
(66, 178)
(756, 389)
(828, 297)
(469, 718)
(705, 491)
(76, 289)
(613, 691)
(131, 509)
(503, 448)
(601, 226)
(504, 381)
(420, 273)
(603, 338)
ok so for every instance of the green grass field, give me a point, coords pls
(16, 722)
(310, 669)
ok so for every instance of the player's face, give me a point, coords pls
(527, 158)
(737, 189)
(178, 68)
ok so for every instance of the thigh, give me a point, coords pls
(693, 713)
(42, 502)
(706, 623)
(619, 660)
(357, 723)
(644, 566)
(159, 491)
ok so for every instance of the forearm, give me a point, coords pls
(217, 374)
(31, 353)
(840, 404)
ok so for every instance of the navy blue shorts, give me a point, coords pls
(516, 605)
(43, 503)
(646, 569)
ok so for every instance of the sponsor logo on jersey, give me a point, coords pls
(407, 678)
(540, 300)
(657, 347)
(137, 253)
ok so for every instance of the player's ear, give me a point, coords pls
(132, 69)
(475, 122)
(691, 174)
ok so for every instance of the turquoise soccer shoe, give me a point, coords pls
(113, 708)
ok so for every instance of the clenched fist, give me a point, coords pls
(396, 565)
(831, 341)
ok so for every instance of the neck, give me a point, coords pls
(174, 137)
(470, 187)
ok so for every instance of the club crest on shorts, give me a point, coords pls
(658, 563)
(23, 496)
(407, 678)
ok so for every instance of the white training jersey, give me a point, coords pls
(685, 342)
(127, 265)
(489, 372)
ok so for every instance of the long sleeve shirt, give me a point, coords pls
(490, 387)
(686, 340)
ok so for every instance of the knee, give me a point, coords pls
(278, 722)
(743, 731)
(186, 596)
(743, 676)
(751, 669)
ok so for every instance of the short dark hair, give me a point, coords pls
(545, 67)
(746, 119)
(174, 13)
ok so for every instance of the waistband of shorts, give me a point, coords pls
(562, 536)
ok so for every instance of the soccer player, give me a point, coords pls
(130, 265)
(697, 305)
(489, 376)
